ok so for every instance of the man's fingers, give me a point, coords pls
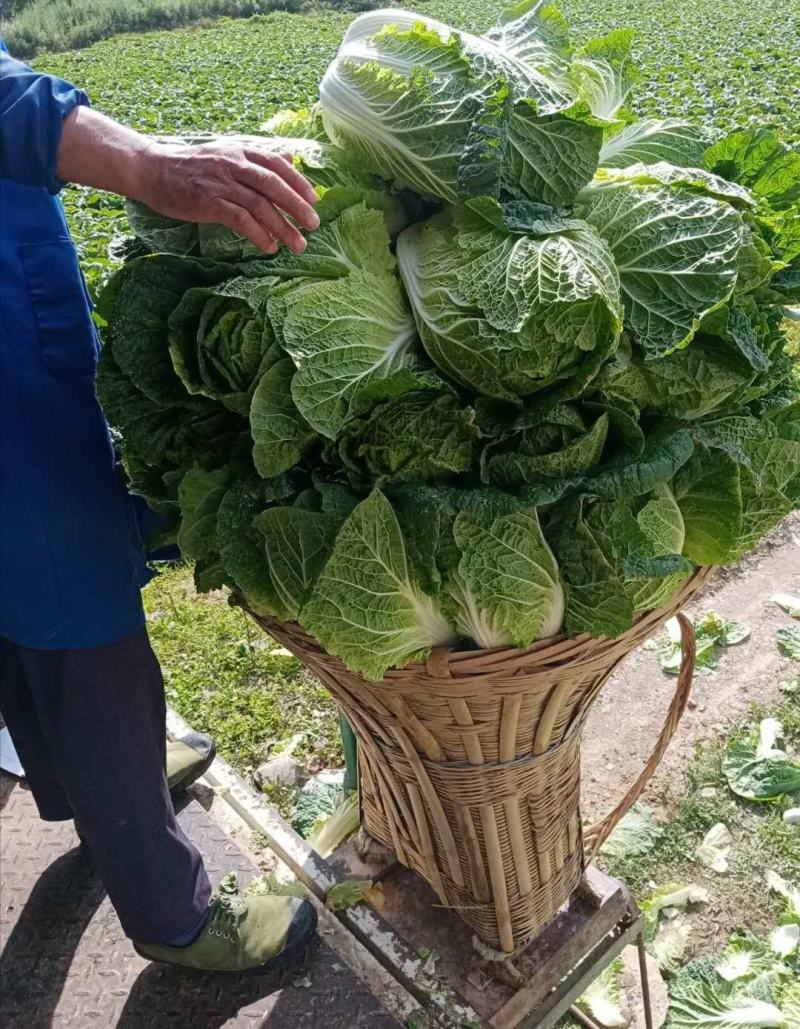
(240, 220)
(280, 194)
(270, 219)
(258, 194)
(281, 165)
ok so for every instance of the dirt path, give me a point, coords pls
(628, 716)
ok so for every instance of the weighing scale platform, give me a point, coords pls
(538, 985)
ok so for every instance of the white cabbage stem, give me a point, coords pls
(479, 625)
(432, 622)
(476, 624)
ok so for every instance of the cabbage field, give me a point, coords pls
(725, 61)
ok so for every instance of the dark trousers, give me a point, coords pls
(89, 726)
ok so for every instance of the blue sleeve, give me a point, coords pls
(33, 107)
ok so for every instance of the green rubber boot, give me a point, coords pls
(242, 934)
(187, 759)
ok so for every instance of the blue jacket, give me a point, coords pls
(71, 559)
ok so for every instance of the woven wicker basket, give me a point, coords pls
(470, 764)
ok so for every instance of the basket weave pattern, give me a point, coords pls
(470, 764)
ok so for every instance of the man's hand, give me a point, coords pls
(249, 190)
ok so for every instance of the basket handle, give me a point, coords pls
(598, 833)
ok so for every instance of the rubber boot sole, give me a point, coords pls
(284, 965)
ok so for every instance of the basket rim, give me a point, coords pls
(466, 664)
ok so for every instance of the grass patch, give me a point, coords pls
(224, 676)
(72, 24)
(761, 840)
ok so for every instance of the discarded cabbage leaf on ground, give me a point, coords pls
(670, 898)
(711, 632)
(715, 849)
(753, 982)
(789, 641)
(636, 833)
(602, 999)
(331, 830)
(788, 602)
(788, 891)
(347, 894)
(670, 944)
(756, 769)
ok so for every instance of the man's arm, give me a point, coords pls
(49, 135)
(32, 111)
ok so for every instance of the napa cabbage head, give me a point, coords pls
(219, 341)
(367, 606)
(483, 555)
(408, 103)
(530, 49)
(419, 436)
(556, 441)
(510, 299)
(506, 587)
(618, 557)
(454, 115)
(675, 235)
(427, 567)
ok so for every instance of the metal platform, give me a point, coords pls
(64, 961)
(536, 987)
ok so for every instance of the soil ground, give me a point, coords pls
(688, 793)
(629, 714)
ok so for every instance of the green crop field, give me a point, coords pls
(726, 62)
(33, 26)
(721, 62)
